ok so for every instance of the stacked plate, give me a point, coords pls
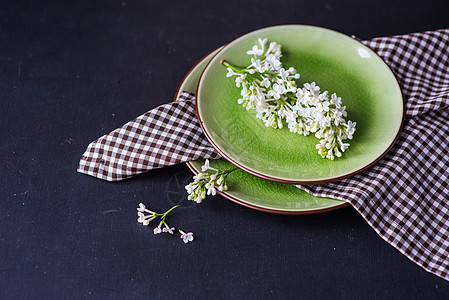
(272, 161)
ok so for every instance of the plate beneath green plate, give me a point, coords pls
(252, 191)
(338, 64)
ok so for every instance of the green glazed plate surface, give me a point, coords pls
(252, 191)
(338, 64)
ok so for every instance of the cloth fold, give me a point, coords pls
(166, 135)
(404, 196)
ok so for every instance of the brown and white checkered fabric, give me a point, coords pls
(404, 196)
(164, 136)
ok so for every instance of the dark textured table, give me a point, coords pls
(71, 72)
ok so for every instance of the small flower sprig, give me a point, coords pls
(207, 184)
(271, 90)
(146, 216)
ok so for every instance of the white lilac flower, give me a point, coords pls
(141, 207)
(323, 96)
(231, 73)
(350, 127)
(256, 63)
(302, 97)
(281, 111)
(321, 145)
(238, 81)
(207, 166)
(272, 48)
(198, 177)
(145, 220)
(261, 113)
(199, 197)
(337, 152)
(278, 53)
(279, 123)
(255, 51)
(186, 237)
(263, 42)
(312, 87)
(273, 62)
(276, 91)
(190, 188)
(284, 74)
(168, 229)
(158, 229)
(319, 108)
(211, 188)
(327, 121)
(313, 100)
(245, 92)
(291, 117)
(343, 146)
(337, 115)
(265, 83)
(335, 100)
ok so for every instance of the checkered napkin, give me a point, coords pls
(166, 135)
(404, 196)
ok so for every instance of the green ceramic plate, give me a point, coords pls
(252, 191)
(337, 63)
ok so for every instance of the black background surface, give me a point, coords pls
(71, 71)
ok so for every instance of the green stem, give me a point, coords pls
(241, 70)
(166, 213)
(234, 68)
(291, 96)
(227, 172)
(273, 100)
